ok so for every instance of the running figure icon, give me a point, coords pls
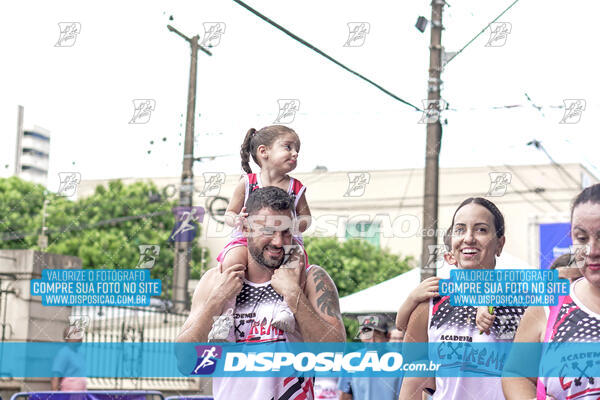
(207, 359)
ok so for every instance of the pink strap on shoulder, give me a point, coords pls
(541, 389)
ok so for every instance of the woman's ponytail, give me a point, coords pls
(246, 150)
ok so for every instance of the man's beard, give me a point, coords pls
(258, 255)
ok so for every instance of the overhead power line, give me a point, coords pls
(313, 48)
(504, 107)
(538, 145)
(538, 192)
(483, 30)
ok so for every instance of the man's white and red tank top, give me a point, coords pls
(254, 310)
(571, 321)
(454, 325)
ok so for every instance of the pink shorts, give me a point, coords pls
(243, 241)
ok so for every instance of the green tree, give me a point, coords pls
(98, 229)
(354, 265)
(20, 213)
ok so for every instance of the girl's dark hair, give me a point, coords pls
(491, 207)
(264, 137)
(591, 194)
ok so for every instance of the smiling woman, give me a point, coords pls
(477, 234)
(476, 238)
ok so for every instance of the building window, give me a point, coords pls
(368, 231)
(34, 152)
(37, 135)
(33, 169)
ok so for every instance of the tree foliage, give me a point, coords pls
(87, 228)
(354, 265)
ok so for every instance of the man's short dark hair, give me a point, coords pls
(271, 197)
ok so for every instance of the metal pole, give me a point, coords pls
(434, 139)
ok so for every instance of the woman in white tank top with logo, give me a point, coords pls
(476, 239)
(576, 319)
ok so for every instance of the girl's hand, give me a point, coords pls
(240, 219)
(484, 320)
(426, 290)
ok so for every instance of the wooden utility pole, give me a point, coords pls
(434, 140)
(183, 250)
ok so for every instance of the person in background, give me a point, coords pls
(69, 364)
(372, 329)
(396, 336)
(326, 388)
(567, 267)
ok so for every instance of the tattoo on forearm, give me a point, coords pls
(326, 301)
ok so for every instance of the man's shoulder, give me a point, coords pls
(208, 278)
(317, 270)
(319, 276)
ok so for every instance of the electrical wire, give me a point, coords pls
(512, 170)
(483, 30)
(538, 145)
(313, 48)
(521, 193)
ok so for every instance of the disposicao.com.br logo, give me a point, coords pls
(313, 359)
(369, 361)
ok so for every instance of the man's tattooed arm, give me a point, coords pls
(318, 309)
(327, 296)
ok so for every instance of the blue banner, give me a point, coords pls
(555, 240)
(451, 359)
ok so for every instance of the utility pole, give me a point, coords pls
(183, 250)
(43, 238)
(19, 140)
(434, 140)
